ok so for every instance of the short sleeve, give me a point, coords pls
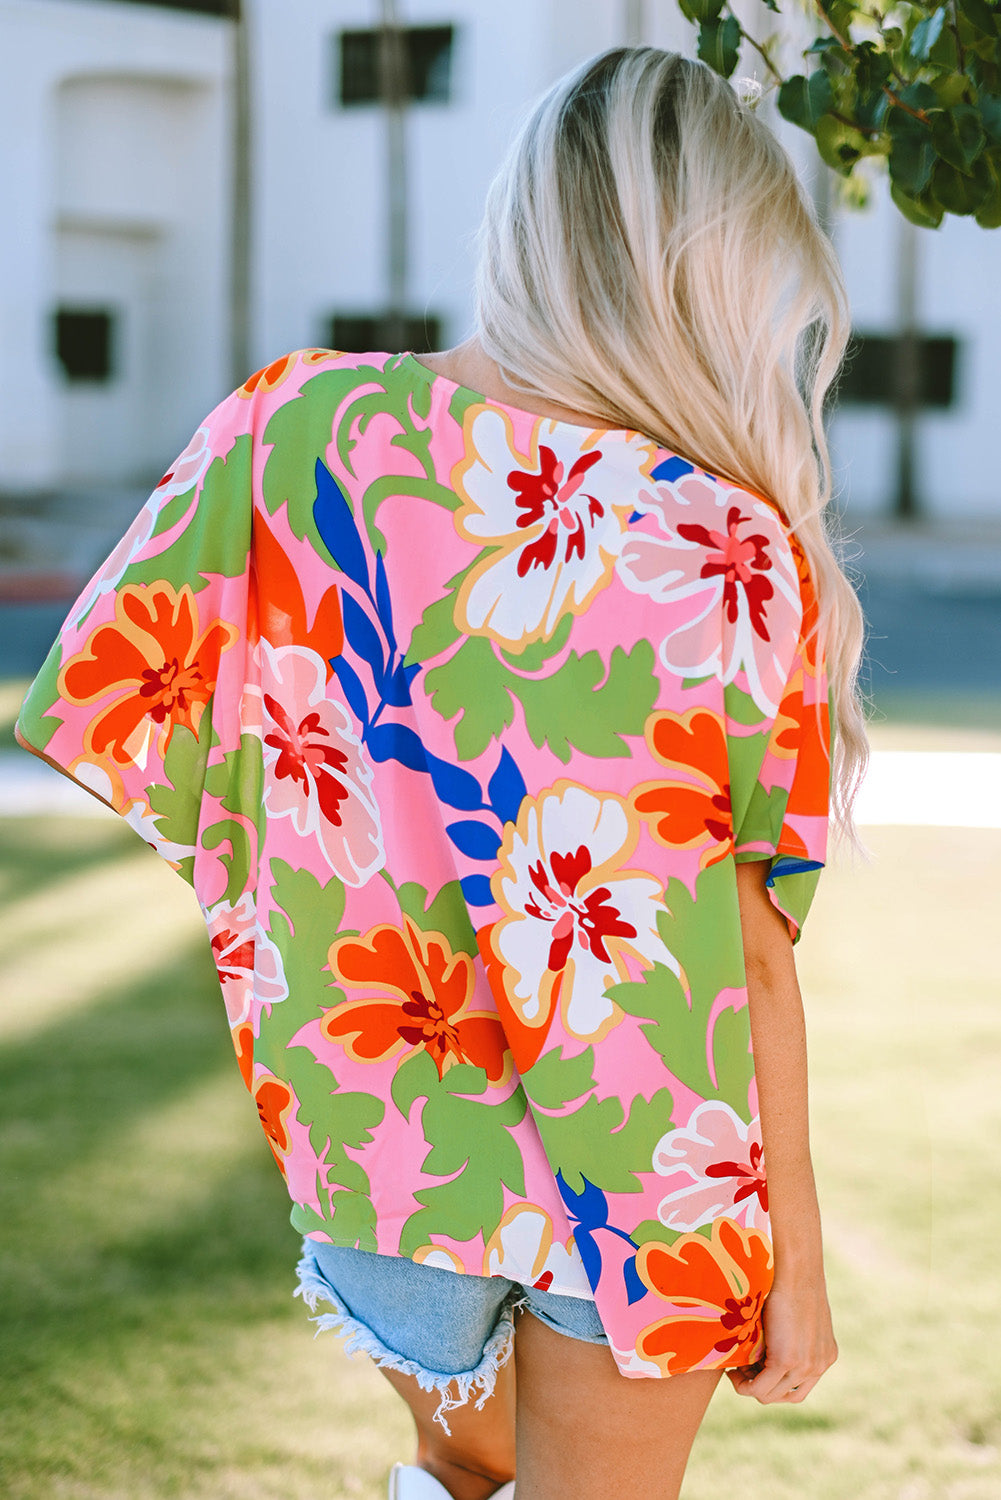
(781, 808)
(145, 678)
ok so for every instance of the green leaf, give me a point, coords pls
(804, 101)
(435, 633)
(178, 803)
(988, 215)
(701, 11)
(556, 1079)
(733, 1060)
(982, 15)
(653, 1229)
(921, 210)
(473, 1140)
(238, 779)
(217, 538)
(990, 117)
(719, 45)
(475, 684)
(416, 1077)
(912, 155)
(950, 89)
(840, 145)
(447, 914)
(237, 862)
(306, 920)
(594, 1142)
(533, 657)
(926, 33)
(569, 710)
(958, 136)
(959, 193)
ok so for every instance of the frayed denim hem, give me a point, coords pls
(314, 1287)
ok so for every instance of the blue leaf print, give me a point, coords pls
(672, 468)
(455, 786)
(362, 636)
(383, 603)
(397, 742)
(589, 1208)
(336, 526)
(788, 864)
(506, 789)
(477, 840)
(396, 686)
(351, 687)
(476, 890)
(635, 1290)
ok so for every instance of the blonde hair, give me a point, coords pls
(648, 255)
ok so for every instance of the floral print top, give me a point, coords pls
(457, 720)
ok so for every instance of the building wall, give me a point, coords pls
(114, 156)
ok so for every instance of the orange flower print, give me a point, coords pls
(422, 999)
(276, 373)
(803, 733)
(691, 810)
(156, 662)
(275, 1102)
(722, 1283)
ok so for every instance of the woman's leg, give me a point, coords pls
(479, 1455)
(585, 1432)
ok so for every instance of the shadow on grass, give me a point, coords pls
(36, 852)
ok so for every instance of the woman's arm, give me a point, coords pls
(799, 1339)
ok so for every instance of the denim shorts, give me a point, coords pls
(452, 1331)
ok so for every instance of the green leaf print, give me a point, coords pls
(732, 1059)
(416, 1077)
(304, 926)
(237, 861)
(556, 1079)
(537, 653)
(177, 803)
(594, 1140)
(352, 1221)
(447, 914)
(307, 921)
(301, 431)
(653, 1229)
(217, 537)
(679, 1018)
(435, 633)
(569, 711)
(474, 1141)
(583, 705)
(238, 779)
(741, 707)
(476, 684)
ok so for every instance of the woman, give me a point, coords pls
(482, 699)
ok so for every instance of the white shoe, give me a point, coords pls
(408, 1482)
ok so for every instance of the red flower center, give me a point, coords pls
(740, 1317)
(171, 687)
(547, 495)
(433, 1030)
(585, 919)
(306, 755)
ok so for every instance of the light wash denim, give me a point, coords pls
(452, 1332)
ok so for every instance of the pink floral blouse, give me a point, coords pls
(457, 720)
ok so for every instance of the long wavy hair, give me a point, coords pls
(648, 255)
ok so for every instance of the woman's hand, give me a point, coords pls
(799, 1343)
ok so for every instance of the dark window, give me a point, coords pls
(84, 342)
(427, 61)
(872, 375)
(357, 333)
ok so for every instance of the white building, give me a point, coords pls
(115, 184)
(117, 154)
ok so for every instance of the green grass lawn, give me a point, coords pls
(150, 1345)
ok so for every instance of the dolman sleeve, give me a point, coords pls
(781, 812)
(140, 693)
